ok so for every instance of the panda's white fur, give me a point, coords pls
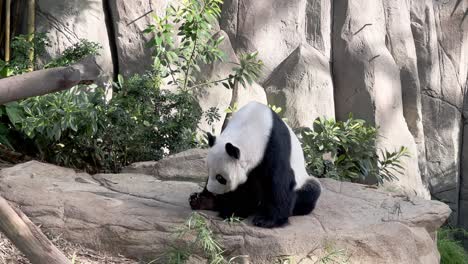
(249, 129)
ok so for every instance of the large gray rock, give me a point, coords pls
(275, 28)
(441, 39)
(66, 22)
(186, 166)
(302, 86)
(368, 82)
(129, 19)
(400, 43)
(135, 215)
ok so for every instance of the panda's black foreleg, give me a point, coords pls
(277, 204)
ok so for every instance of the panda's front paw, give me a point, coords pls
(195, 201)
(202, 201)
(268, 222)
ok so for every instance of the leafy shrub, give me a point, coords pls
(346, 150)
(20, 47)
(78, 128)
(12, 115)
(449, 246)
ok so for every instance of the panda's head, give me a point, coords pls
(225, 167)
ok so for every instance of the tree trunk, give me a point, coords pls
(1, 22)
(31, 31)
(7, 30)
(27, 237)
(47, 81)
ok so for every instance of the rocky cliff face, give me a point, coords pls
(400, 64)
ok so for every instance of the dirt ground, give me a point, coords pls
(10, 255)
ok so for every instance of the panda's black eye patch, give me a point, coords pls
(220, 179)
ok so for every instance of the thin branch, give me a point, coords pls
(210, 82)
(171, 71)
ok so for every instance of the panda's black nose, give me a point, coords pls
(221, 179)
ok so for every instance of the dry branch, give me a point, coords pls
(47, 81)
(27, 237)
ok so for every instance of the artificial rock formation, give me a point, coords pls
(135, 215)
(401, 65)
(66, 22)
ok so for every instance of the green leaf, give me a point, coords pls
(14, 112)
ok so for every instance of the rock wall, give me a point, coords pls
(400, 64)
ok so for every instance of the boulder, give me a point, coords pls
(275, 28)
(302, 86)
(137, 214)
(66, 22)
(185, 166)
(368, 82)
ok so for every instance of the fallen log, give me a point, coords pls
(48, 80)
(27, 237)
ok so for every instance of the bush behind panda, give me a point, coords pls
(256, 167)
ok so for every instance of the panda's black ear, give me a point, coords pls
(211, 139)
(232, 151)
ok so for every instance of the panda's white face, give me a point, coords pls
(225, 169)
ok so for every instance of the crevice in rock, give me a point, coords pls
(112, 37)
(106, 184)
(440, 99)
(461, 174)
(332, 52)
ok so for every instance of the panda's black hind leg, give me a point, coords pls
(307, 197)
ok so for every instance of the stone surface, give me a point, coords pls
(400, 43)
(441, 39)
(187, 166)
(302, 86)
(135, 215)
(275, 28)
(218, 95)
(66, 22)
(368, 84)
(129, 19)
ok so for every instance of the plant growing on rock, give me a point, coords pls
(197, 227)
(346, 150)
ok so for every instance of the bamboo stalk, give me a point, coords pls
(7, 30)
(31, 31)
(1, 23)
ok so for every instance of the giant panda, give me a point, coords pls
(256, 167)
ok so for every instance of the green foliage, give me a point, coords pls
(47, 108)
(449, 245)
(75, 53)
(20, 47)
(180, 61)
(146, 123)
(78, 128)
(347, 151)
(196, 229)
